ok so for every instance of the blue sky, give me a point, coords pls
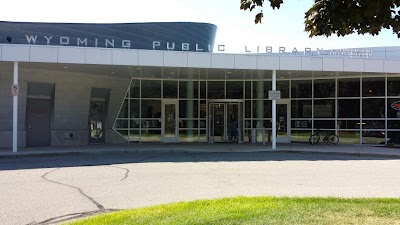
(236, 28)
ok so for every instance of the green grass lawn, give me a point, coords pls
(260, 210)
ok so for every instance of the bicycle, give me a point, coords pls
(328, 138)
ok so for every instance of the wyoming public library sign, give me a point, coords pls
(172, 46)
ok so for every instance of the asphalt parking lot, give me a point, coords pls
(46, 190)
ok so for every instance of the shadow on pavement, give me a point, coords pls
(149, 157)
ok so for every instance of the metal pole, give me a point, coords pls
(274, 111)
(15, 111)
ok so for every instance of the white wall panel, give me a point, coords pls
(374, 65)
(199, 60)
(223, 61)
(175, 59)
(392, 66)
(125, 57)
(15, 53)
(245, 61)
(332, 64)
(353, 65)
(151, 58)
(290, 63)
(98, 56)
(311, 63)
(72, 55)
(266, 62)
(43, 54)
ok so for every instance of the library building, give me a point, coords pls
(68, 84)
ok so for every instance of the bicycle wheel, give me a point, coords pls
(333, 139)
(313, 139)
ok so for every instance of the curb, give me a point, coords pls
(178, 151)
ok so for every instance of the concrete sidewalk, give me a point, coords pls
(354, 150)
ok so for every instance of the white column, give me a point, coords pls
(274, 111)
(15, 111)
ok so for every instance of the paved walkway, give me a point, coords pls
(47, 190)
(354, 150)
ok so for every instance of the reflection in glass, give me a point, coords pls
(373, 87)
(234, 89)
(349, 108)
(301, 109)
(393, 84)
(170, 120)
(170, 89)
(324, 88)
(301, 88)
(216, 89)
(373, 137)
(393, 107)
(373, 108)
(300, 135)
(151, 108)
(188, 89)
(348, 124)
(151, 88)
(349, 87)
(135, 88)
(349, 137)
(324, 108)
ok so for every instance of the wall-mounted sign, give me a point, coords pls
(396, 105)
(274, 95)
(14, 90)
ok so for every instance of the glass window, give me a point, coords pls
(260, 89)
(234, 89)
(348, 124)
(301, 88)
(188, 123)
(150, 135)
(248, 89)
(373, 137)
(301, 108)
(373, 108)
(188, 109)
(216, 89)
(393, 84)
(151, 108)
(203, 109)
(324, 108)
(247, 109)
(394, 137)
(373, 87)
(349, 108)
(134, 136)
(151, 88)
(262, 109)
(283, 86)
(349, 137)
(300, 135)
(373, 124)
(135, 107)
(188, 89)
(324, 124)
(188, 136)
(393, 124)
(170, 89)
(324, 88)
(203, 91)
(135, 88)
(301, 124)
(393, 107)
(349, 87)
(123, 113)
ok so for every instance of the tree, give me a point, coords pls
(341, 17)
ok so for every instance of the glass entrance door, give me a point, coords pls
(169, 121)
(282, 118)
(96, 123)
(225, 122)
